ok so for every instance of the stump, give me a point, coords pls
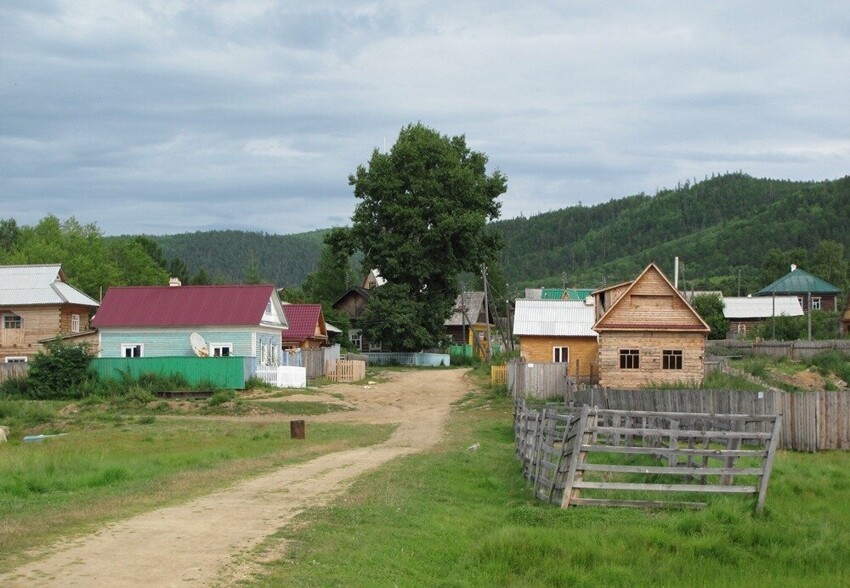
(296, 429)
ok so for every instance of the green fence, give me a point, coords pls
(218, 372)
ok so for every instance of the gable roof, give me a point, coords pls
(688, 320)
(739, 307)
(798, 281)
(364, 293)
(303, 320)
(474, 309)
(38, 285)
(187, 306)
(556, 318)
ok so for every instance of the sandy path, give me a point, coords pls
(196, 543)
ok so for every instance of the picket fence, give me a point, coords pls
(345, 370)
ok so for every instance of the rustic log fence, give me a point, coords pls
(619, 456)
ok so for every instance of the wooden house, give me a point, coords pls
(557, 331)
(215, 321)
(812, 291)
(37, 305)
(307, 328)
(353, 303)
(470, 318)
(648, 334)
(745, 313)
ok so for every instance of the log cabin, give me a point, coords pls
(37, 304)
(648, 334)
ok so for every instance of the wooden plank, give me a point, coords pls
(638, 503)
(575, 452)
(768, 464)
(714, 488)
(723, 435)
(682, 451)
(677, 470)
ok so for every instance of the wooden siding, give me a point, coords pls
(651, 344)
(651, 301)
(175, 342)
(39, 323)
(536, 349)
(65, 318)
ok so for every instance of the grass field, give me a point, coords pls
(111, 465)
(454, 517)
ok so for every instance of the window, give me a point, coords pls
(561, 354)
(374, 346)
(356, 338)
(12, 321)
(221, 349)
(75, 323)
(20, 359)
(671, 359)
(132, 350)
(816, 303)
(629, 359)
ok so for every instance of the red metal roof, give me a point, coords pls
(167, 306)
(302, 319)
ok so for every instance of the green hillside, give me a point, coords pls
(717, 227)
(721, 229)
(284, 260)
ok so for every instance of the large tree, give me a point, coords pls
(421, 220)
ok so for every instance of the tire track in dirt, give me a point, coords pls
(194, 544)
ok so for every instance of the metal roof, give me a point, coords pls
(798, 281)
(303, 321)
(760, 307)
(23, 285)
(474, 306)
(557, 318)
(169, 306)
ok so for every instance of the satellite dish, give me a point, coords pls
(199, 346)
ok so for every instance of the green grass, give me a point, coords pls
(116, 465)
(452, 517)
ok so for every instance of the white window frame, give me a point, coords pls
(75, 323)
(125, 347)
(17, 359)
(816, 303)
(219, 347)
(558, 354)
(10, 316)
(376, 347)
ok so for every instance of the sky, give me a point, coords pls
(173, 116)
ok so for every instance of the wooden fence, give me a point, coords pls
(498, 374)
(618, 456)
(345, 370)
(9, 371)
(788, 349)
(812, 421)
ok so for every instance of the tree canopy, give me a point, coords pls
(421, 220)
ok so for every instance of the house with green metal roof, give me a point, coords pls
(803, 285)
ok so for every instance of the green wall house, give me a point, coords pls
(244, 321)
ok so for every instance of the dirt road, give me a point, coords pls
(199, 543)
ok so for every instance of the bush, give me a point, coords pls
(221, 397)
(60, 371)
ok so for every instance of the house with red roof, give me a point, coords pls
(307, 328)
(648, 334)
(175, 321)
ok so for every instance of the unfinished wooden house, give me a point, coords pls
(648, 334)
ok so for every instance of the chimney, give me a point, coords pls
(174, 282)
(793, 267)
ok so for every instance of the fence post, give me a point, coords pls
(580, 438)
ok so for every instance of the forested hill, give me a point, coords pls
(229, 256)
(717, 227)
(720, 228)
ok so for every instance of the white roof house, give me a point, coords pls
(554, 318)
(38, 284)
(760, 307)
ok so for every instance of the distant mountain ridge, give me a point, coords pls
(721, 228)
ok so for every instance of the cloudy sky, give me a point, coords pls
(168, 116)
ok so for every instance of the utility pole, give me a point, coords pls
(463, 318)
(810, 316)
(487, 310)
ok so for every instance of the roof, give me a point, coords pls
(302, 320)
(798, 281)
(579, 293)
(362, 292)
(188, 306)
(760, 307)
(557, 318)
(38, 285)
(606, 322)
(474, 307)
